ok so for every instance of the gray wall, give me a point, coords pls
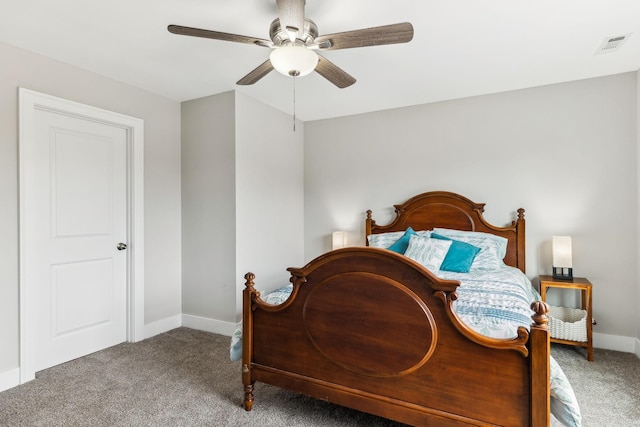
(567, 153)
(162, 179)
(269, 195)
(638, 240)
(209, 207)
(242, 204)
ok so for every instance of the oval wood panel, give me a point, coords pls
(351, 316)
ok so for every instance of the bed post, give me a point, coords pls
(520, 239)
(368, 224)
(248, 295)
(540, 350)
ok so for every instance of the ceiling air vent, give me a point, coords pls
(612, 44)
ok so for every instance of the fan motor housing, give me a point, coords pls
(280, 36)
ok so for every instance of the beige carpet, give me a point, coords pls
(184, 378)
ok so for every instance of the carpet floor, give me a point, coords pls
(184, 378)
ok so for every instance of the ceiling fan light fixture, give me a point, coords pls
(293, 60)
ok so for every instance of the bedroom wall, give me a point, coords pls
(208, 207)
(567, 153)
(269, 195)
(637, 350)
(242, 204)
(161, 117)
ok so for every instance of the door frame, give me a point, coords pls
(30, 102)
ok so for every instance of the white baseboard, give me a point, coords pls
(189, 321)
(617, 343)
(162, 326)
(208, 325)
(9, 379)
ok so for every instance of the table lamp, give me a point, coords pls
(562, 260)
(339, 239)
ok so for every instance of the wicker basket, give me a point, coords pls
(568, 323)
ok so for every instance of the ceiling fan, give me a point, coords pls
(295, 43)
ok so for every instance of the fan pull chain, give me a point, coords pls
(294, 103)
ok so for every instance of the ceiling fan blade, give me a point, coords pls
(375, 36)
(333, 73)
(208, 34)
(291, 15)
(261, 71)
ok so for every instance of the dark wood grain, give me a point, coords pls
(259, 72)
(375, 331)
(449, 210)
(333, 73)
(375, 36)
(217, 35)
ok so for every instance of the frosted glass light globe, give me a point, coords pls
(293, 60)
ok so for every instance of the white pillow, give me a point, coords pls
(493, 248)
(384, 240)
(427, 251)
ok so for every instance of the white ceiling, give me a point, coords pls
(461, 47)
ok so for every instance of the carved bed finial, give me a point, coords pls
(369, 213)
(541, 309)
(520, 213)
(249, 277)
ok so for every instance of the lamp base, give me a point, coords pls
(563, 273)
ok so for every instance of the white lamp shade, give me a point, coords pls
(339, 239)
(561, 248)
(293, 60)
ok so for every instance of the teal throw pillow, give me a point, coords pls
(401, 245)
(460, 255)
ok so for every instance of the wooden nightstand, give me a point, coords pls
(584, 286)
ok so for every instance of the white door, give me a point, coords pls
(81, 194)
(78, 218)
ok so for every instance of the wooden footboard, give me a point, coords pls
(375, 331)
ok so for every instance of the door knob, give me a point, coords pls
(121, 246)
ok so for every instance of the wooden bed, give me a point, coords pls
(372, 330)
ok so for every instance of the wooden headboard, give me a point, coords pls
(449, 210)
